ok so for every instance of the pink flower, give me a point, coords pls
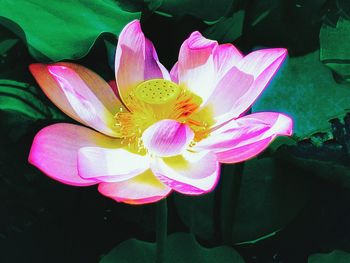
(163, 131)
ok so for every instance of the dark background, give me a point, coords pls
(308, 212)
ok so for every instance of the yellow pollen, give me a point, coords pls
(157, 91)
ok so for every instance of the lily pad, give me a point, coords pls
(63, 29)
(23, 98)
(336, 256)
(334, 47)
(180, 247)
(21, 106)
(305, 89)
(210, 10)
(343, 7)
(325, 155)
(7, 44)
(227, 29)
(267, 201)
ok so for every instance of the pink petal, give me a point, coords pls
(190, 173)
(246, 137)
(244, 152)
(196, 67)
(83, 101)
(280, 124)
(167, 138)
(247, 79)
(227, 139)
(142, 189)
(174, 73)
(55, 151)
(136, 60)
(80, 93)
(113, 85)
(262, 64)
(229, 92)
(225, 57)
(110, 165)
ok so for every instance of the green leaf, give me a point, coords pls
(267, 201)
(336, 256)
(7, 44)
(209, 10)
(21, 105)
(334, 47)
(306, 90)
(227, 29)
(325, 155)
(343, 7)
(274, 23)
(63, 29)
(154, 4)
(23, 98)
(180, 247)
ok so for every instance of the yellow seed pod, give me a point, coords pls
(157, 91)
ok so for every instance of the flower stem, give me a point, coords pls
(230, 196)
(217, 213)
(162, 230)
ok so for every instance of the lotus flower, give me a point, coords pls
(157, 131)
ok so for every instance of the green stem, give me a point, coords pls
(161, 230)
(231, 186)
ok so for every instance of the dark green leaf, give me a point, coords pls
(227, 29)
(267, 201)
(343, 7)
(306, 90)
(180, 248)
(22, 98)
(21, 106)
(334, 47)
(63, 29)
(290, 24)
(209, 10)
(326, 154)
(7, 44)
(336, 256)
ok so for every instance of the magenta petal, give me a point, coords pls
(244, 152)
(136, 60)
(55, 151)
(83, 101)
(246, 137)
(72, 86)
(228, 93)
(190, 173)
(250, 146)
(280, 124)
(218, 141)
(110, 165)
(263, 65)
(142, 189)
(247, 79)
(256, 62)
(196, 68)
(174, 73)
(225, 57)
(167, 138)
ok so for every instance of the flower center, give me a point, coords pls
(158, 99)
(157, 91)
